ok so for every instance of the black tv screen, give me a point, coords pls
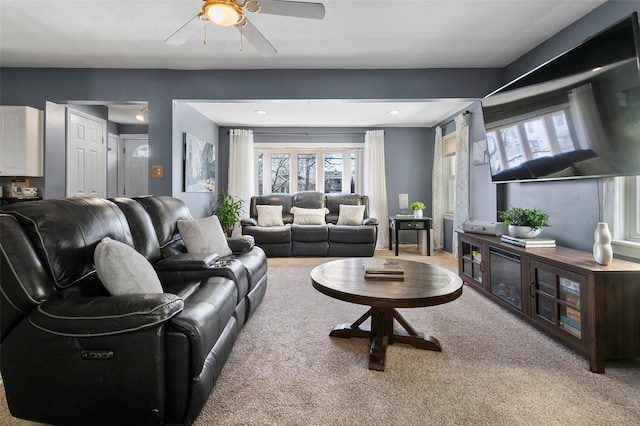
(575, 116)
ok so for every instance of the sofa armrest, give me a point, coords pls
(249, 221)
(102, 316)
(241, 244)
(370, 221)
(187, 262)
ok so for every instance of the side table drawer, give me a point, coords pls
(411, 225)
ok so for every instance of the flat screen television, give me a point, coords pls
(576, 116)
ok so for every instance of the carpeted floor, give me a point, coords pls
(494, 369)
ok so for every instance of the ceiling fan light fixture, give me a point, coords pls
(223, 12)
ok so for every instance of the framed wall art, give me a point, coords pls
(199, 164)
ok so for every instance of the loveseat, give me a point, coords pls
(75, 350)
(311, 223)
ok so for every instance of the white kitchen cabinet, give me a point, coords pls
(21, 141)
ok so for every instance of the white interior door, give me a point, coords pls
(136, 166)
(86, 151)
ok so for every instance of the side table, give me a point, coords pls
(403, 223)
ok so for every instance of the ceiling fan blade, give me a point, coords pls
(257, 40)
(296, 9)
(185, 32)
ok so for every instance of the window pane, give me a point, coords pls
(537, 138)
(260, 173)
(494, 154)
(280, 172)
(333, 166)
(512, 145)
(141, 152)
(307, 165)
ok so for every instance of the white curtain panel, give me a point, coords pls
(461, 210)
(375, 184)
(436, 190)
(241, 167)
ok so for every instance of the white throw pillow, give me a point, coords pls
(350, 215)
(309, 216)
(269, 215)
(123, 270)
(204, 236)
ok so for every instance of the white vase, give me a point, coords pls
(417, 213)
(523, 231)
(602, 250)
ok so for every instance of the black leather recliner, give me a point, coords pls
(73, 354)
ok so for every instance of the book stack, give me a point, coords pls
(383, 269)
(570, 293)
(528, 242)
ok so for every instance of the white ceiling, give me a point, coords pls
(354, 34)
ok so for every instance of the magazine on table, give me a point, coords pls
(383, 268)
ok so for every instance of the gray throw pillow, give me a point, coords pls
(350, 215)
(123, 270)
(204, 236)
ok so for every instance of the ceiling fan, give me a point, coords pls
(228, 13)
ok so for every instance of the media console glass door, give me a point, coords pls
(506, 277)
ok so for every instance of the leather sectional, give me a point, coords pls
(74, 354)
(328, 239)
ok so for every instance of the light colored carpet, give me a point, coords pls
(494, 368)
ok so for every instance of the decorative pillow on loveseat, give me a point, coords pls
(350, 215)
(204, 236)
(309, 216)
(269, 215)
(123, 270)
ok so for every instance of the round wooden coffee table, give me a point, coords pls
(423, 285)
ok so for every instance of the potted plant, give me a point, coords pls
(228, 211)
(524, 223)
(417, 207)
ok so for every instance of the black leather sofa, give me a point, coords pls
(330, 239)
(73, 354)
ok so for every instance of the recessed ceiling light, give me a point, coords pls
(394, 112)
(260, 111)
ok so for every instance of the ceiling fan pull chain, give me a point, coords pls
(205, 34)
(241, 46)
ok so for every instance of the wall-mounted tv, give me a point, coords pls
(575, 116)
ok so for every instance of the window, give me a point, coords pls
(338, 172)
(624, 215)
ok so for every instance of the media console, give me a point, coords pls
(591, 308)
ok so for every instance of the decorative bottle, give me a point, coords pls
(602, 250)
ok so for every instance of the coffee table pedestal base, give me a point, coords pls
(382, 333)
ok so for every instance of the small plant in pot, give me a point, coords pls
(417, 207)
(228, 211)
(524, 223)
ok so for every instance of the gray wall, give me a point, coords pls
(34, 87)
(188, 120)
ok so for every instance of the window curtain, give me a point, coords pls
(241, 169)
(461, 210)
(375, 184)
(436, 189)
